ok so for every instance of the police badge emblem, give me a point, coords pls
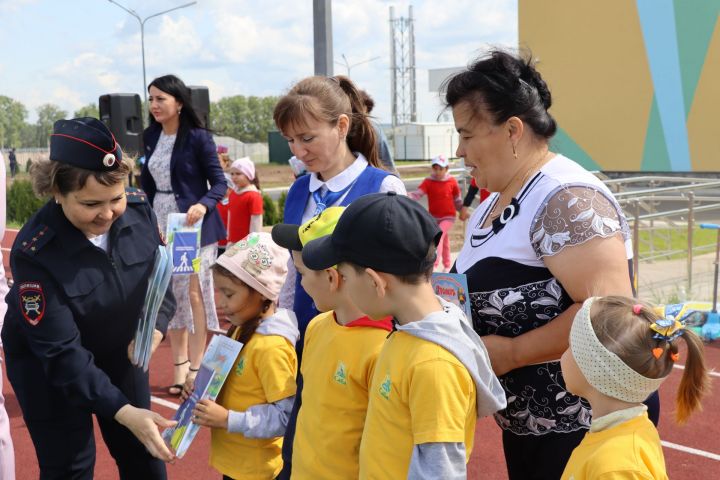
(32, 301)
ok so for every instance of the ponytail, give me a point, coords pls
(361, 137)
(695, 382)
(625, 327)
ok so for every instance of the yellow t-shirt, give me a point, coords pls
(627, 451)
(337, 367)
(264, 372)
(420, 393)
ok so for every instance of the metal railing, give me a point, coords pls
(653, 206)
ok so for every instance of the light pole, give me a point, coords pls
(142, 32)
(350, 67)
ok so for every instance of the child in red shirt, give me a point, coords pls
(245, 204)
(444, 200)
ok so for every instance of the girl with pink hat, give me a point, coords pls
(250, 415)
(244, 203)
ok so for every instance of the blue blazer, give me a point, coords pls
(194, 163)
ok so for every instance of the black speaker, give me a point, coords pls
(122, 114)
(200, 98)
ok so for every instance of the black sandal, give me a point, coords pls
(177, 389)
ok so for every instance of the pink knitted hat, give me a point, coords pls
(245, 166)
(259, 262)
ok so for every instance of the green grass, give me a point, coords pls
(667, 239)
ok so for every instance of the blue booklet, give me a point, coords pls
(453, 288)
(217, 362)
(154, 296)
(184, 243)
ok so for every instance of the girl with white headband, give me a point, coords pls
(620, 352)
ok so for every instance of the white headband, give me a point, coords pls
(603, 369)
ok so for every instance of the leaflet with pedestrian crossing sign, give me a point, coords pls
(184, 242)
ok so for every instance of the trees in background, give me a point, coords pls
(12, 122)
(246, 118)
(89, 110)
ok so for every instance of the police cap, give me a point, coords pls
(86, 143)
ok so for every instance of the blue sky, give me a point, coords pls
(69, 52)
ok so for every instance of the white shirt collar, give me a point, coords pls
(100, 241)
(342, 179)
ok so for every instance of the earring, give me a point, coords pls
(514, 151)
(179, 111)
(57, 202)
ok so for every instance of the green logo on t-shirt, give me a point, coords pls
(385, 387)
(240, 366)
(341, 374)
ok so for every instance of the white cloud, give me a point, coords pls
(237, 37)
(248, 47)
(11, 6)
(70, 99)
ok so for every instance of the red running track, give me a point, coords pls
(701, 432)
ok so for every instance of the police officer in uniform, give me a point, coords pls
(81, 267)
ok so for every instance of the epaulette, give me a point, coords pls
(35, 239)
(135, 195)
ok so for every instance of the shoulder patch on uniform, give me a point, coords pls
(32, 301)
(135, 195)
(32, 241)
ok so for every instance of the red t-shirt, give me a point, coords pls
(240, 208)
(441, 196)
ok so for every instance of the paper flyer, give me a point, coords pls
(217, 362)
(453, 288)
(184, 243)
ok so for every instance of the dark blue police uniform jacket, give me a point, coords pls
(72, 312)
(194, 163)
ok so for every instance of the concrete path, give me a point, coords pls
(664, 281)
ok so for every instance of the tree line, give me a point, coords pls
(247, 119)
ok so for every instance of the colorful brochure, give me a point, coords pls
(219, 359)
(453, 288)
(154, 296)
(184, 243)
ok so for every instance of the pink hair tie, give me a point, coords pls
(637, 308)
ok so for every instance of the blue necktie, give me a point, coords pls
(330, 197)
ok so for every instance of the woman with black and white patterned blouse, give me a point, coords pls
(550, 236)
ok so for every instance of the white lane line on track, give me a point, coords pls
(674, 446)
(711, 373)
(164, 403)
(693, 451)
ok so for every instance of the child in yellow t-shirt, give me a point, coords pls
(432, 378)
(340, 350)
(620, 352)
(249, 418)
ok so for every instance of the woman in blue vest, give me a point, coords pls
(182, 162)
(327, 126)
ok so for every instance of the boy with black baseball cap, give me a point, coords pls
(433, 377)
(341, 348)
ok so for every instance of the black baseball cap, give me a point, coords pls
(86, 143)
(387, 232)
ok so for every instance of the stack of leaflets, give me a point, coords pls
(184, 242)
(453, 288)
(157, 286)
(219, 358)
